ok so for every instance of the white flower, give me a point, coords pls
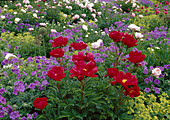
(134, 4)
(10, 56)
(53, 31)
(82, 20)
(100, 41)
(2, 17)
(99, 13)
(103, 33)
(15, 13)
(134, 27)
(157, 48)
(85, 27)
(156, 72)
(29, 6)
(140, 16)
(24, 11)
(93, 15)
(17, 20)
(5, 6)
(87, 35)
(31, 29)
(42, 24)
(26, 1)
(65, 15)
(76, 17)
(138, 35)
(35, 15)
(141, 40)
(95, 45)
(133, 15)
(83, 15)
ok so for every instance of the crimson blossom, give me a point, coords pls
(40, 103)
(58, 52)
(56, 73)
(60, 41)
(116, 35)
(81, 56)
(129, 83)
(125, 79)
(82, 70)
(79, 46)
(136, 57)
(129, 40)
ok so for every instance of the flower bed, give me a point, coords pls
(82, 59)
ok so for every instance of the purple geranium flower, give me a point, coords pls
(157, 90)
(2, 90)
(147, 90)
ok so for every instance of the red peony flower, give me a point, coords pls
(60, 41)
(40, 103)
(79, 46)
(125, 79)
(82, 69)
(132, 92)
(78, 57)
(38, 5)
(136, 57)
(112, 72)
(81, 56)
(43, 0)
(56, 73)
(129, 40)
(89, 57)
(116, 35)
(57, 52)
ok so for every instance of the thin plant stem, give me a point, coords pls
(45, 115)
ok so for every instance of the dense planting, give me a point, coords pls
(84, 59)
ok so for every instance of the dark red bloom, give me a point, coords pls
(60, 41)
(136, 57)
(79, 46)
(40, 103)
(89, 57)
(56, 73)
(132, 92)
(81, 56)
(116, 35)
(112, 72)
(43, 0)
(38, 5)
(129, 40)
(125, 79)
(58, 52)
(82, 69)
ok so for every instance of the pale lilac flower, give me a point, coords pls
(29, 116)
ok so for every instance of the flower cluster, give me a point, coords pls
(125, 38)
(128, 81)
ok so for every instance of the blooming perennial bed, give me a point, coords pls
(84, 60)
